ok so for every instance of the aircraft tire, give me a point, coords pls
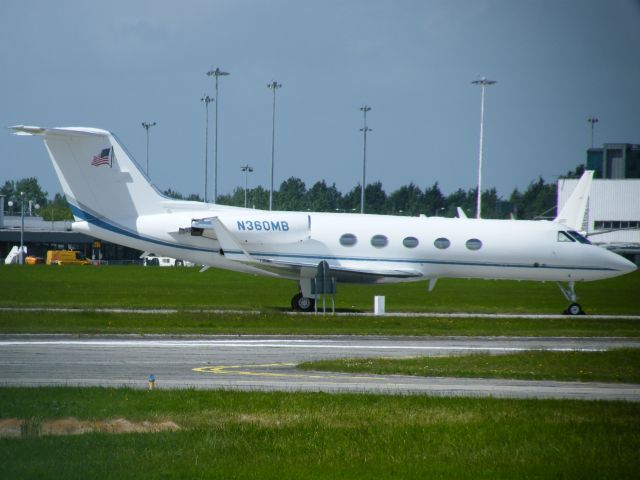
(574, 309)
(302, 304)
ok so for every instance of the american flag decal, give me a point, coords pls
(103, 159)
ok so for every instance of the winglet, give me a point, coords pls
(573, 212)
(230, 245)
(461, 213)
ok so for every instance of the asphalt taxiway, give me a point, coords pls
(269, 363)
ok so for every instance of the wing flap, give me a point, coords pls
(375, 272)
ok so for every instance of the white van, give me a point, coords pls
(153, 261)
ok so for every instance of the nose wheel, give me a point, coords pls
(569, 293)
(574, 309)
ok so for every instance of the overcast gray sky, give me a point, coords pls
(115, 64)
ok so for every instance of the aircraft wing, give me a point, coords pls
(344, 270)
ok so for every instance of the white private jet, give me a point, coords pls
(112, 199)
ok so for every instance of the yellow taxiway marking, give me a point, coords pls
(242, 370)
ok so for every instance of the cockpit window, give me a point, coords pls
(565, 237)
(578, 237)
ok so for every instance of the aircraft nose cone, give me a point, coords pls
(621, 264)
(630, 266)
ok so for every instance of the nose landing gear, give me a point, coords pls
(569, 293)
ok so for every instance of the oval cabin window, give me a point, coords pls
(379, 241)
(474, 244)
(442, 243)
(410, 242)
(348, 240)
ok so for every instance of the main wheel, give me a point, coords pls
(303, 304)
(574, 309)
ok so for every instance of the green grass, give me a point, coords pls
(275, 323)
(187, 288)
(299, 435)
(622, 365)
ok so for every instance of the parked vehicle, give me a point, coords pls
(66, 257)
(153, 261)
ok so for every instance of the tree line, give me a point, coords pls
(51, 209)
(538, 200)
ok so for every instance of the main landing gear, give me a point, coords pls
(302, 303)
(569, 293)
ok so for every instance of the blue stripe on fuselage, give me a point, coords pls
(98, 222)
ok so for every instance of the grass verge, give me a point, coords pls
(275, 323)
(621, 365)
(135, 286)
(300, 435)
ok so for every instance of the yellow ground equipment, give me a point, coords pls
(31, 260)
(66, 257)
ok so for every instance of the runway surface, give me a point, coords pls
(269, 363)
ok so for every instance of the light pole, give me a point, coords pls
(592, 121)
(273, 86)
(207, 100)
(483, 82)
(364, 109)
(216, 73)
(147, 126)
(21, 252)
(246, 169)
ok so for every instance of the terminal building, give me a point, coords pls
(40, 235)
(614, 161)
(613, 212)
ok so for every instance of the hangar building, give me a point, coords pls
(613, 210)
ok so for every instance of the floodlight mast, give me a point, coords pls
(216, 73)
(592, 121)
(246, 169)
(147, 126)
(364, 109)
(483, 82)
(273, 86)
(207, 100)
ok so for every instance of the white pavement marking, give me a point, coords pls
(279, 344)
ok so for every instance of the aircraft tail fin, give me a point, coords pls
(98, 176)
(573, 212)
